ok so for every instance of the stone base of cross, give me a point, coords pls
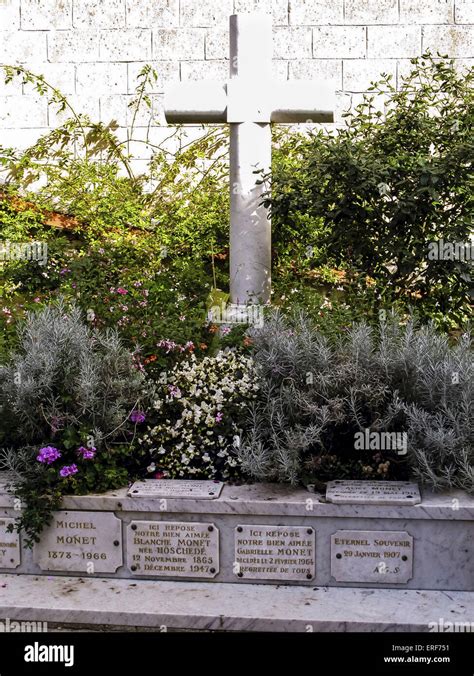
(249, 102)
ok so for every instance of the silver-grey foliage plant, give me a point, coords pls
(65, 375)
(316, 395)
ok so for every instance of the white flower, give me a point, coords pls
(151, 468)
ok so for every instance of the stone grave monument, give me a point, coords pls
(249, 102)
(361, 535)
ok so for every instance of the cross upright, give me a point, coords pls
(249, 102)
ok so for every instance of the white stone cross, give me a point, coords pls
(249, 102)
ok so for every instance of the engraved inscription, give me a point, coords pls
(173, 549)
(274, 552)
(372, 556)
(176, 488)
(344, 492)
(10, 556)
(88, 542)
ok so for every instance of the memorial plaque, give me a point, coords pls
(274, 552)
(176, 488)
(173, 549)
(82, 542)
(372, 556)
(373, 492)
(10, 556)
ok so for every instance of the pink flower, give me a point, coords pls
(168, 344)
(122, 291)
(174, 391)
(219, 417)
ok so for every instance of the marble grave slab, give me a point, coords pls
(373, 492)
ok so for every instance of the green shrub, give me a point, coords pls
(136, 232)
(83, 168)
(317, 394)
(373, 196)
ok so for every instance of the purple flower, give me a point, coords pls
(137, 416)
(87, 453)
(219, 417)
(68, 470)
(48, 454)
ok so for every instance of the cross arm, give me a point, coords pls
(251, 100)
(196, 102)
(302, 101)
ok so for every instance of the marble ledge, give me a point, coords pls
(200, 606)
(274, 500)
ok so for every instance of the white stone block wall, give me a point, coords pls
(93, 49)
